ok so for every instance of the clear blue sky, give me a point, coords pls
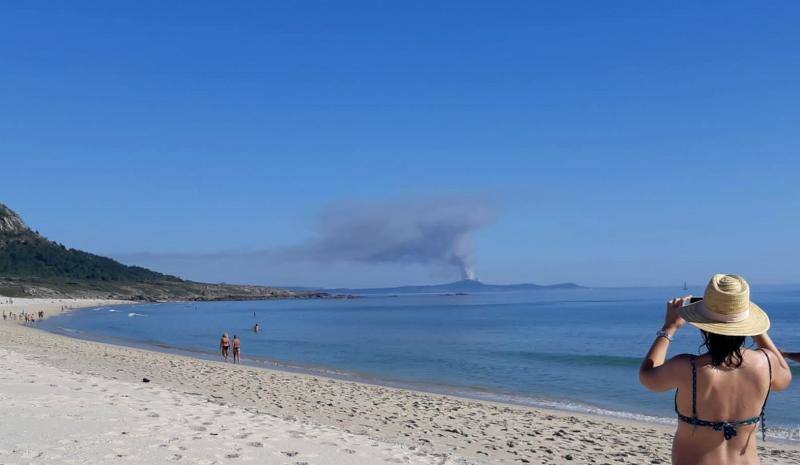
(622, 143)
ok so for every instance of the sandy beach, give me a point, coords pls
(75, 401)
(51, 307)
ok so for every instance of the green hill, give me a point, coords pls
(25, 253)
(33, 266)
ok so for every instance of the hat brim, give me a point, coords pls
(756, 323)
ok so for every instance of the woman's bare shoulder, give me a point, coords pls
(682, 359)
(758, 360)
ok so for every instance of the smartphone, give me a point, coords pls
(693, 300)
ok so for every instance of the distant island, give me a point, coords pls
(33, 266)
(455, 288)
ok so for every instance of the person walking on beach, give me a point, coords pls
(224, 346)
(237, 346)
(721, 395)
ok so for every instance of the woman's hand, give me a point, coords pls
(673, 321)
(656, 373)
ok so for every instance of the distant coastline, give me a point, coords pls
(458, 287)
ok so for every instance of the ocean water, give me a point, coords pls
(569, 349)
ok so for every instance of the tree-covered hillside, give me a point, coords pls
(25, 253)
(33, 266)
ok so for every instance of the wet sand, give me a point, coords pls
(199, 411)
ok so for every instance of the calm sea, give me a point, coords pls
(570, 349)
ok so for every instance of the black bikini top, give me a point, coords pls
(728, 428)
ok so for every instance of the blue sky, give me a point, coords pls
(623, 143)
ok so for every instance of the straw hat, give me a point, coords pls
(726, 309)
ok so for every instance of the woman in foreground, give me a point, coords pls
(721, 395)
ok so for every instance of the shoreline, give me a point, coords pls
(781, 434)
(54, 306)
(455, 427)
(498, 398)
(63, 416)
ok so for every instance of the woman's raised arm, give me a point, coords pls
(781, 373)
(656, 373)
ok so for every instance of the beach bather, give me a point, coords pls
(237, 345)
(224, 346)
(721, 395)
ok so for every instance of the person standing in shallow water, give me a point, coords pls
(224, 346)
(237, 345)
(721, 395)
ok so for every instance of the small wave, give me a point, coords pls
(111, 310)
(571, 359)
(70, 330)
(132, 314)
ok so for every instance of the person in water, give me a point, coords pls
(237, 346)
(224, 346)
(256, 328)
(721, 395)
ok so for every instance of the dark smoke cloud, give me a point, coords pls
(434, 232)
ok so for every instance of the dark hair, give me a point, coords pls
(724, 350)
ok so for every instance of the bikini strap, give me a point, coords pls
(694, 388)
(769, 389)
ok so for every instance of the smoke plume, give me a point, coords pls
(437, 232)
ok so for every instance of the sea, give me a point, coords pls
(574, 350)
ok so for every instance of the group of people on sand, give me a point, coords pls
(720, 395)
(225, 344)
(27, 318)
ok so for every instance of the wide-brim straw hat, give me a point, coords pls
(726, 309)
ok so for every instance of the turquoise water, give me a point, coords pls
(570, 349)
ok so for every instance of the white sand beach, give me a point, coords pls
(74, 401)
(51, 307)
(65, 417)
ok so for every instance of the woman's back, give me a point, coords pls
(720, 396)
(725, 396)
